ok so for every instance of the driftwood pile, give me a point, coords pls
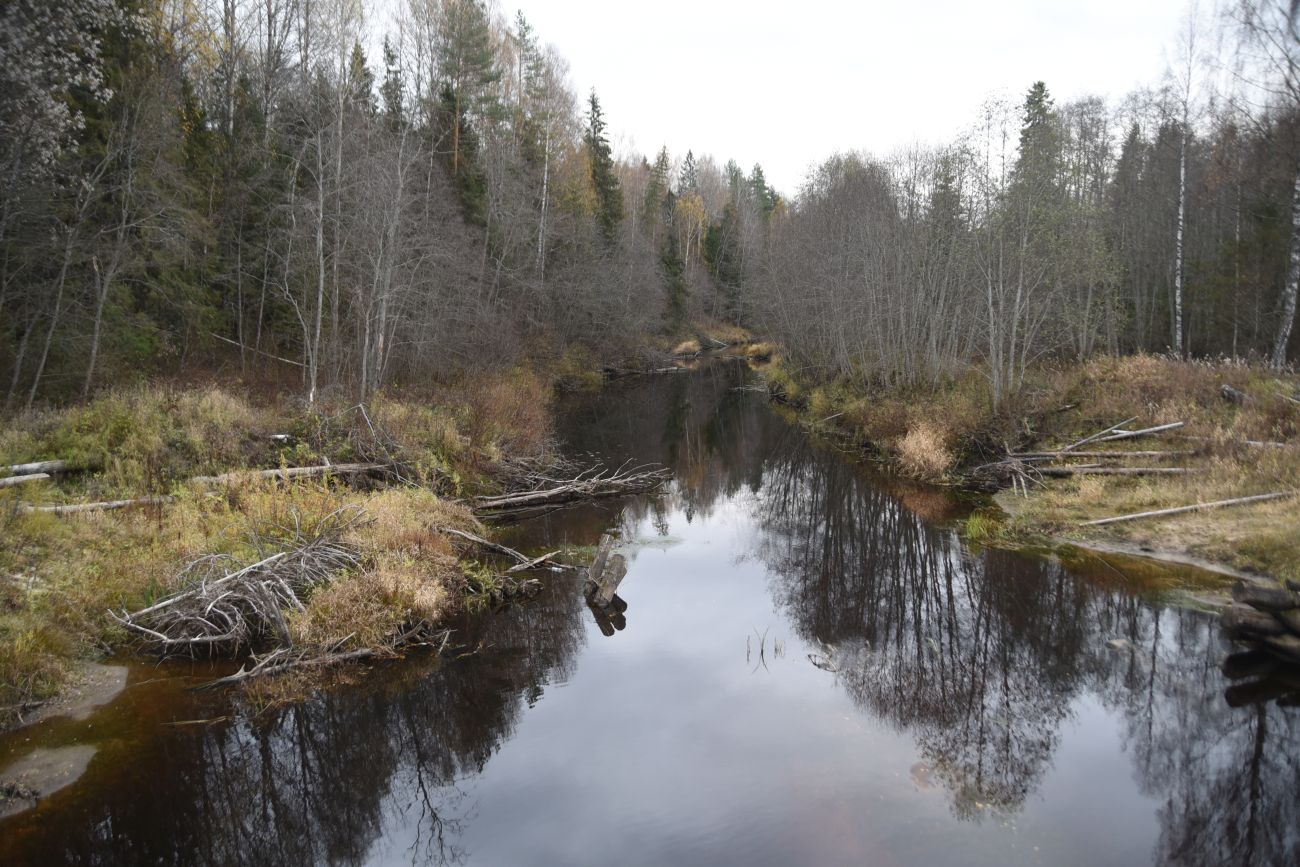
(228, 611)
(594, 483)
(1024, 469)
(1265, 615)
(1021, 470)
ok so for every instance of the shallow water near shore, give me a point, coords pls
(811, 668)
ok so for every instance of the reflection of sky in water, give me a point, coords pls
(688, 754)
(975, 714)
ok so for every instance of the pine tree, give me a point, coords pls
(467, 60)
(604, 180)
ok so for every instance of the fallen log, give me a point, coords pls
(522, 561)
(107, 505)
(1129, 434)
(494, 547)
(12, 481)
(1115, 471)
(1243, 621)
(613, 484)
(1098, 435)
(1286, 646)
(1264, 595)
(1159, 453)
(287, 473)
(1258, 692)
(1249, 663)
(1258, 498)
(36, 467)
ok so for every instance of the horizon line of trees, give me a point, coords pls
(1166, 223)
(185, 179)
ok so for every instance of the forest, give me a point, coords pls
(191, 184)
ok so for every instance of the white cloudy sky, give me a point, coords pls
(788, 83)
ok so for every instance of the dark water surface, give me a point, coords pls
(811, 669)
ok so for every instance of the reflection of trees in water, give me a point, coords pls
(711, 435)
(311, 783)
(980, 656)
(966, 653)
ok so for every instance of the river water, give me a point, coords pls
(810, 668)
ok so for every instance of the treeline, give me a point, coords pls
(1165, 224)
(182, 180)
(187, 182)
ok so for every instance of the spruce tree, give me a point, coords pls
(604, 180)
(392, 90)
(689, 182)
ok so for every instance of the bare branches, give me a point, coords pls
(229, 611)
(591, 484)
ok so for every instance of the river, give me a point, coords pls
(810, 668)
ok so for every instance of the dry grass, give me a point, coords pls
(144, 439)
(59, 575)
(62, 574)
(924, 451)
(1262, 537)
(725, 332)
(927, 432)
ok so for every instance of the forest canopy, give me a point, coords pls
(184, 182)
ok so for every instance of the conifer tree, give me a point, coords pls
(467, 61)
(604, 181)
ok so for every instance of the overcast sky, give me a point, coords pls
(787, 84)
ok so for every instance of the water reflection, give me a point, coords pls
(986, 660)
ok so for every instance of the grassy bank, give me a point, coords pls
(60, 574)
(943, 433)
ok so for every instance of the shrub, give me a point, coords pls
(923, 452)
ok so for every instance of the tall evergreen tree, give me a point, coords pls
(393, 90)
(467, 61)
(604, 180)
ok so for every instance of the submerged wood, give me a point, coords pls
(606, 572)
(1264, 594)
(1245, 621)
(522, 561)
(1257, 498)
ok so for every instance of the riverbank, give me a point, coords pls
(390, 488)
(1237, 434)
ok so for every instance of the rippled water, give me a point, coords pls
(811, 669)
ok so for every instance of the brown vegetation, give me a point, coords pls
(60, 575)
